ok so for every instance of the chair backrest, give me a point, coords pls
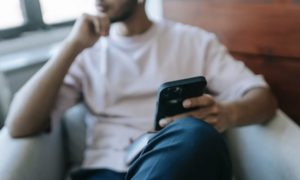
(5, 97)
(265, 34)
(74, 134)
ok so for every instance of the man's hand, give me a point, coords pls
(217, 114)
(88, 29)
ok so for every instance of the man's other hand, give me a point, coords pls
(88, 29)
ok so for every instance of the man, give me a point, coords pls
(115, 61)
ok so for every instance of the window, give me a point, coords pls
(18, 16)
(57, 11)
(10, 14)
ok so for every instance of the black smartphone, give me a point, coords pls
(172, 94)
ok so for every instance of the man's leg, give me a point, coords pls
(97, 174)
(186, 149)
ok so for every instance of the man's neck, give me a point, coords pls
(137, 24)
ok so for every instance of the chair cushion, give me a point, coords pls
(268, 151)
(74, 133)
(5, 97)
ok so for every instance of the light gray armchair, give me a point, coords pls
(5, 95)
(259, 152)
(47, 156)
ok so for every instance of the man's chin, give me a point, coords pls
(118, 19)
(122, 17)
(113, 19)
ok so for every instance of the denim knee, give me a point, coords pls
(202, 146)
(189, 147)
(192, 129)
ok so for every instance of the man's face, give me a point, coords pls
(117, 10)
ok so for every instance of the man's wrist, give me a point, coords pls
(232, 111)
(73, 46)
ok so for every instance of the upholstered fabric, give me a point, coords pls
(4, 98)
(74, 134)
(34, 158)
(268, 152)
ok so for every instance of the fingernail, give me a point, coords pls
(163, 122)
(187, 103)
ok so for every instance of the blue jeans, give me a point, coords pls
(186, 149)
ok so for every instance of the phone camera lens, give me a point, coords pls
(178, 90)
(165, 95)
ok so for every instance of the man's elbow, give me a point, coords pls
(19, 134)
(15, 134)
(16, 131)
(273, 106)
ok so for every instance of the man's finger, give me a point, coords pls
(164, 122)
(101, 24)
(97, 24)
(201, 101)
(213, 120)
(105, 24)
(204, 112)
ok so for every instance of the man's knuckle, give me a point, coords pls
(216, 109)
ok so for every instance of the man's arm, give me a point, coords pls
(257, 105)
(30, 109)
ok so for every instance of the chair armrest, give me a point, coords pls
(267, 151)
(5, 98)
(32, 158)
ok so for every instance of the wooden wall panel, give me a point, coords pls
(282, 74)
(257, 28)
(265, 34)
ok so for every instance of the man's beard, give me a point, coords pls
(126, 13)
